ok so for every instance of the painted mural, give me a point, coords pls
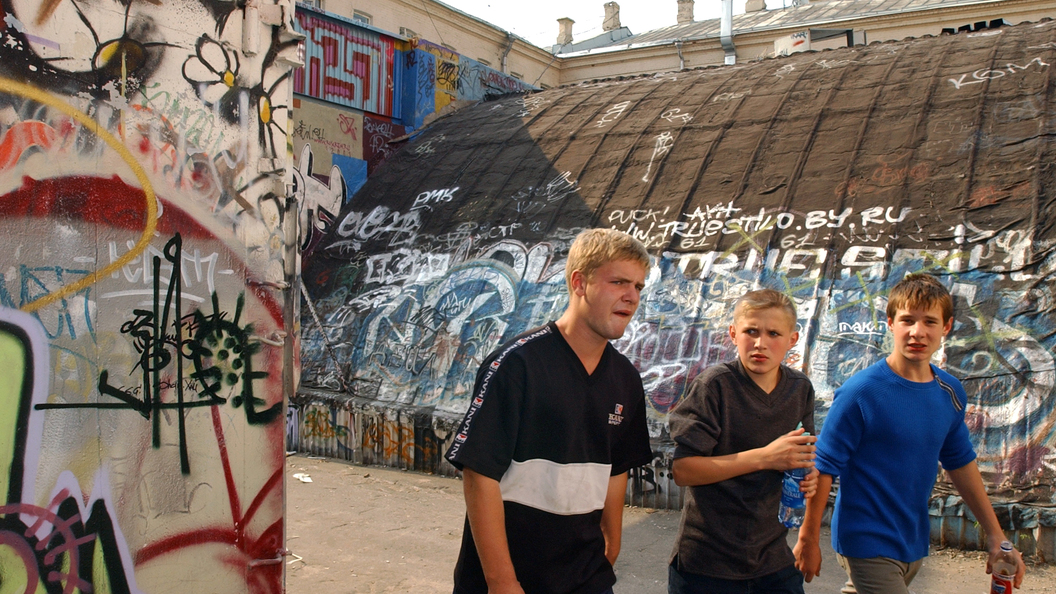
(145, 256)
(824, 175)
(347, 64)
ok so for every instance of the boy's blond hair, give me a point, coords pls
(594, 248)
(765, 299)
(919, 291)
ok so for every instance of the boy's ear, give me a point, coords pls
(795, 338)
(733, 332)
(947, 326)
(579, 282)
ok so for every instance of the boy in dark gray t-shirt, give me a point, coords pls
(735, 432)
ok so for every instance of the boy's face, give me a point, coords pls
(918, 332)
(610, 297)
(763, 338)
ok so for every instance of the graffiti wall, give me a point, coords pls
(824, 175)
(347, 64)
(359, 93)
(145, 320)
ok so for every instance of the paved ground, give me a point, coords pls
(368, 529)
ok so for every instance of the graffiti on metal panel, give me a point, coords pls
(317, 423)
(365, 437)
(345, 64)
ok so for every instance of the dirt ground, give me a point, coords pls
(356, 529)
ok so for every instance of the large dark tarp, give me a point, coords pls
(826, 175)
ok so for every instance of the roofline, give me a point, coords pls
(801, 25)
(487, 24)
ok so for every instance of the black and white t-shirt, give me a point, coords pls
(552, 435)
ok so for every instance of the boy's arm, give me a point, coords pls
(808, 546)
(969, 484)
(487, 520)
(791, 450)
(612, 516)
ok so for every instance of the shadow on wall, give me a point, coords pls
(415, 286)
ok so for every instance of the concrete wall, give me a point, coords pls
(146, 325)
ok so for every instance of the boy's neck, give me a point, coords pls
(588, 346)
(914, 371)
(766, 382)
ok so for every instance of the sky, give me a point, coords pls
(536, 20)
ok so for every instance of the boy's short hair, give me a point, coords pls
(765, 299)
(594, 248)
(921, 291)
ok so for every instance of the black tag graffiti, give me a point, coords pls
(219, 349)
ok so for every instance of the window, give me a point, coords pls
(517, 75)
(484, 62)
(318, 4)
(408, 33)
(450, 47)
(361, 17)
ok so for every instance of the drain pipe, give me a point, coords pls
(726, 32)
(681, 59)
(506, 51)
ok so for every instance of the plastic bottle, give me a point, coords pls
(1003, 570)
(793, 502)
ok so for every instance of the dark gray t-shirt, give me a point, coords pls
(730, 530)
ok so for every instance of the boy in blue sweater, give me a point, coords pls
(888, 427)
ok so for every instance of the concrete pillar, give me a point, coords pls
(612, 17)
(685, 11)
(564, 31)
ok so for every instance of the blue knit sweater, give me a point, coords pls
(883, 437)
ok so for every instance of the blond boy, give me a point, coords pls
(556, 421)
(735, 432)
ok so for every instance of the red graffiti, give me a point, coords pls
(107, 201)
(21, 137)
(348, 125)
(261, 552)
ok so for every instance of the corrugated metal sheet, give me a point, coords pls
(827, 175)
(359, 431)
(347, 64)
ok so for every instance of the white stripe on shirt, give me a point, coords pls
(563, 489)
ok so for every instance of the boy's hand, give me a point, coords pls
(1021, 568)
(808, 557)
(791, 450)
(809, 484)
